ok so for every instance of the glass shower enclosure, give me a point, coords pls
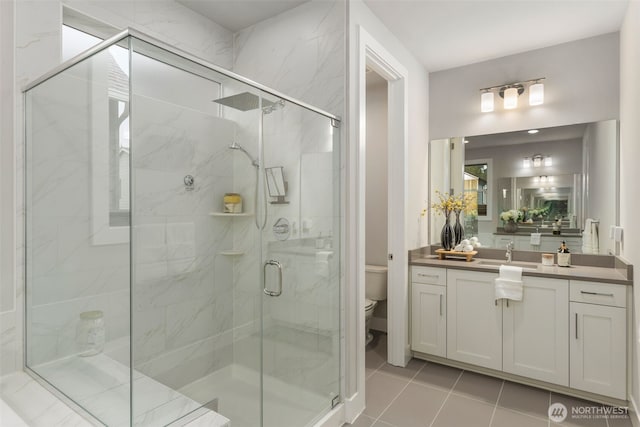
(182, 242)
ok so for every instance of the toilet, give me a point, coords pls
(375, 282)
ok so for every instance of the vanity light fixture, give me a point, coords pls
(486, 102)
(537, 160)
(536, 93)
(510, 93)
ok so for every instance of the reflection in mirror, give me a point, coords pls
(576, 184)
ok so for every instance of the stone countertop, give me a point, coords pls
(575, 272)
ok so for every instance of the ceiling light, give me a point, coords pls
(548, 161)
(533, 131)
(536, 93)
(466, 141)
(486, 102)
(526, 162)
(510, 92)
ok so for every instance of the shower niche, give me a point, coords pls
(130, 149)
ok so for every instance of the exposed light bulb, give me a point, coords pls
(486, 102)
(511, 98)
(536, 94)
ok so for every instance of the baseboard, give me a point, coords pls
(354, 406)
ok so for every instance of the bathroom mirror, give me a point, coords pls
(568, 172)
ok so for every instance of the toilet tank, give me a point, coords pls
(376, 282)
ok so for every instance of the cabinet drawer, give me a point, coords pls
(598, 293)
(429, 275)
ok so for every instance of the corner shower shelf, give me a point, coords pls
(236, 215)
(231, 253)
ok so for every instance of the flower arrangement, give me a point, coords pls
(452, 203)
(511, 215)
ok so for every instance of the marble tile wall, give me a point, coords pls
(183, 289)
(37, 25)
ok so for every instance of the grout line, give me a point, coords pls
(399, 393)
(446, 398)
(496, 405)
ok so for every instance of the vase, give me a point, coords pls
(446, 235)
(510, 226)
(458, 230)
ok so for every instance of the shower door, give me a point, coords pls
(300, 266)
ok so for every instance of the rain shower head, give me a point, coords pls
(244, 101)
(235, 146)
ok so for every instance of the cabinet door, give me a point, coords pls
(474, 320)
(598, 349)
(536, 331)
(428, 319)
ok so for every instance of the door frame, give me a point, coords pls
(373, 55)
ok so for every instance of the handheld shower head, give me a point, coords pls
(235, 146)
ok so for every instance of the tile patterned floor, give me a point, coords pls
(426, 394)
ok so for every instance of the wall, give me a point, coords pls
(629, 155)
(37, 50)
(582, 86)
(377, 160)
(10, 312)
(299, 52)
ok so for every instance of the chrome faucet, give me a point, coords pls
(509, 251)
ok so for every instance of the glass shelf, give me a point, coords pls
(231, 253)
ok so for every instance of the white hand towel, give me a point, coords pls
(587, 247)
(322, 263)
(508, 289)
(510, 272)
(535, 239)
(509, 284)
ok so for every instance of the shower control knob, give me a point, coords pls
(188, 182)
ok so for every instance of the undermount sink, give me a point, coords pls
(498, 263)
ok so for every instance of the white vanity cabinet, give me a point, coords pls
(474, 319)
(566, 333)
(536, 331)
(428, 310)
(598, 338)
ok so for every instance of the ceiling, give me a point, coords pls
(558, 133)
(444, 34)
(236, 15)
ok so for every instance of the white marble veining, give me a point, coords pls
(300, 52)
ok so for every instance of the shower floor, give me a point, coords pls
(236, 392)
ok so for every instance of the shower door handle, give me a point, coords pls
(264, 278)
